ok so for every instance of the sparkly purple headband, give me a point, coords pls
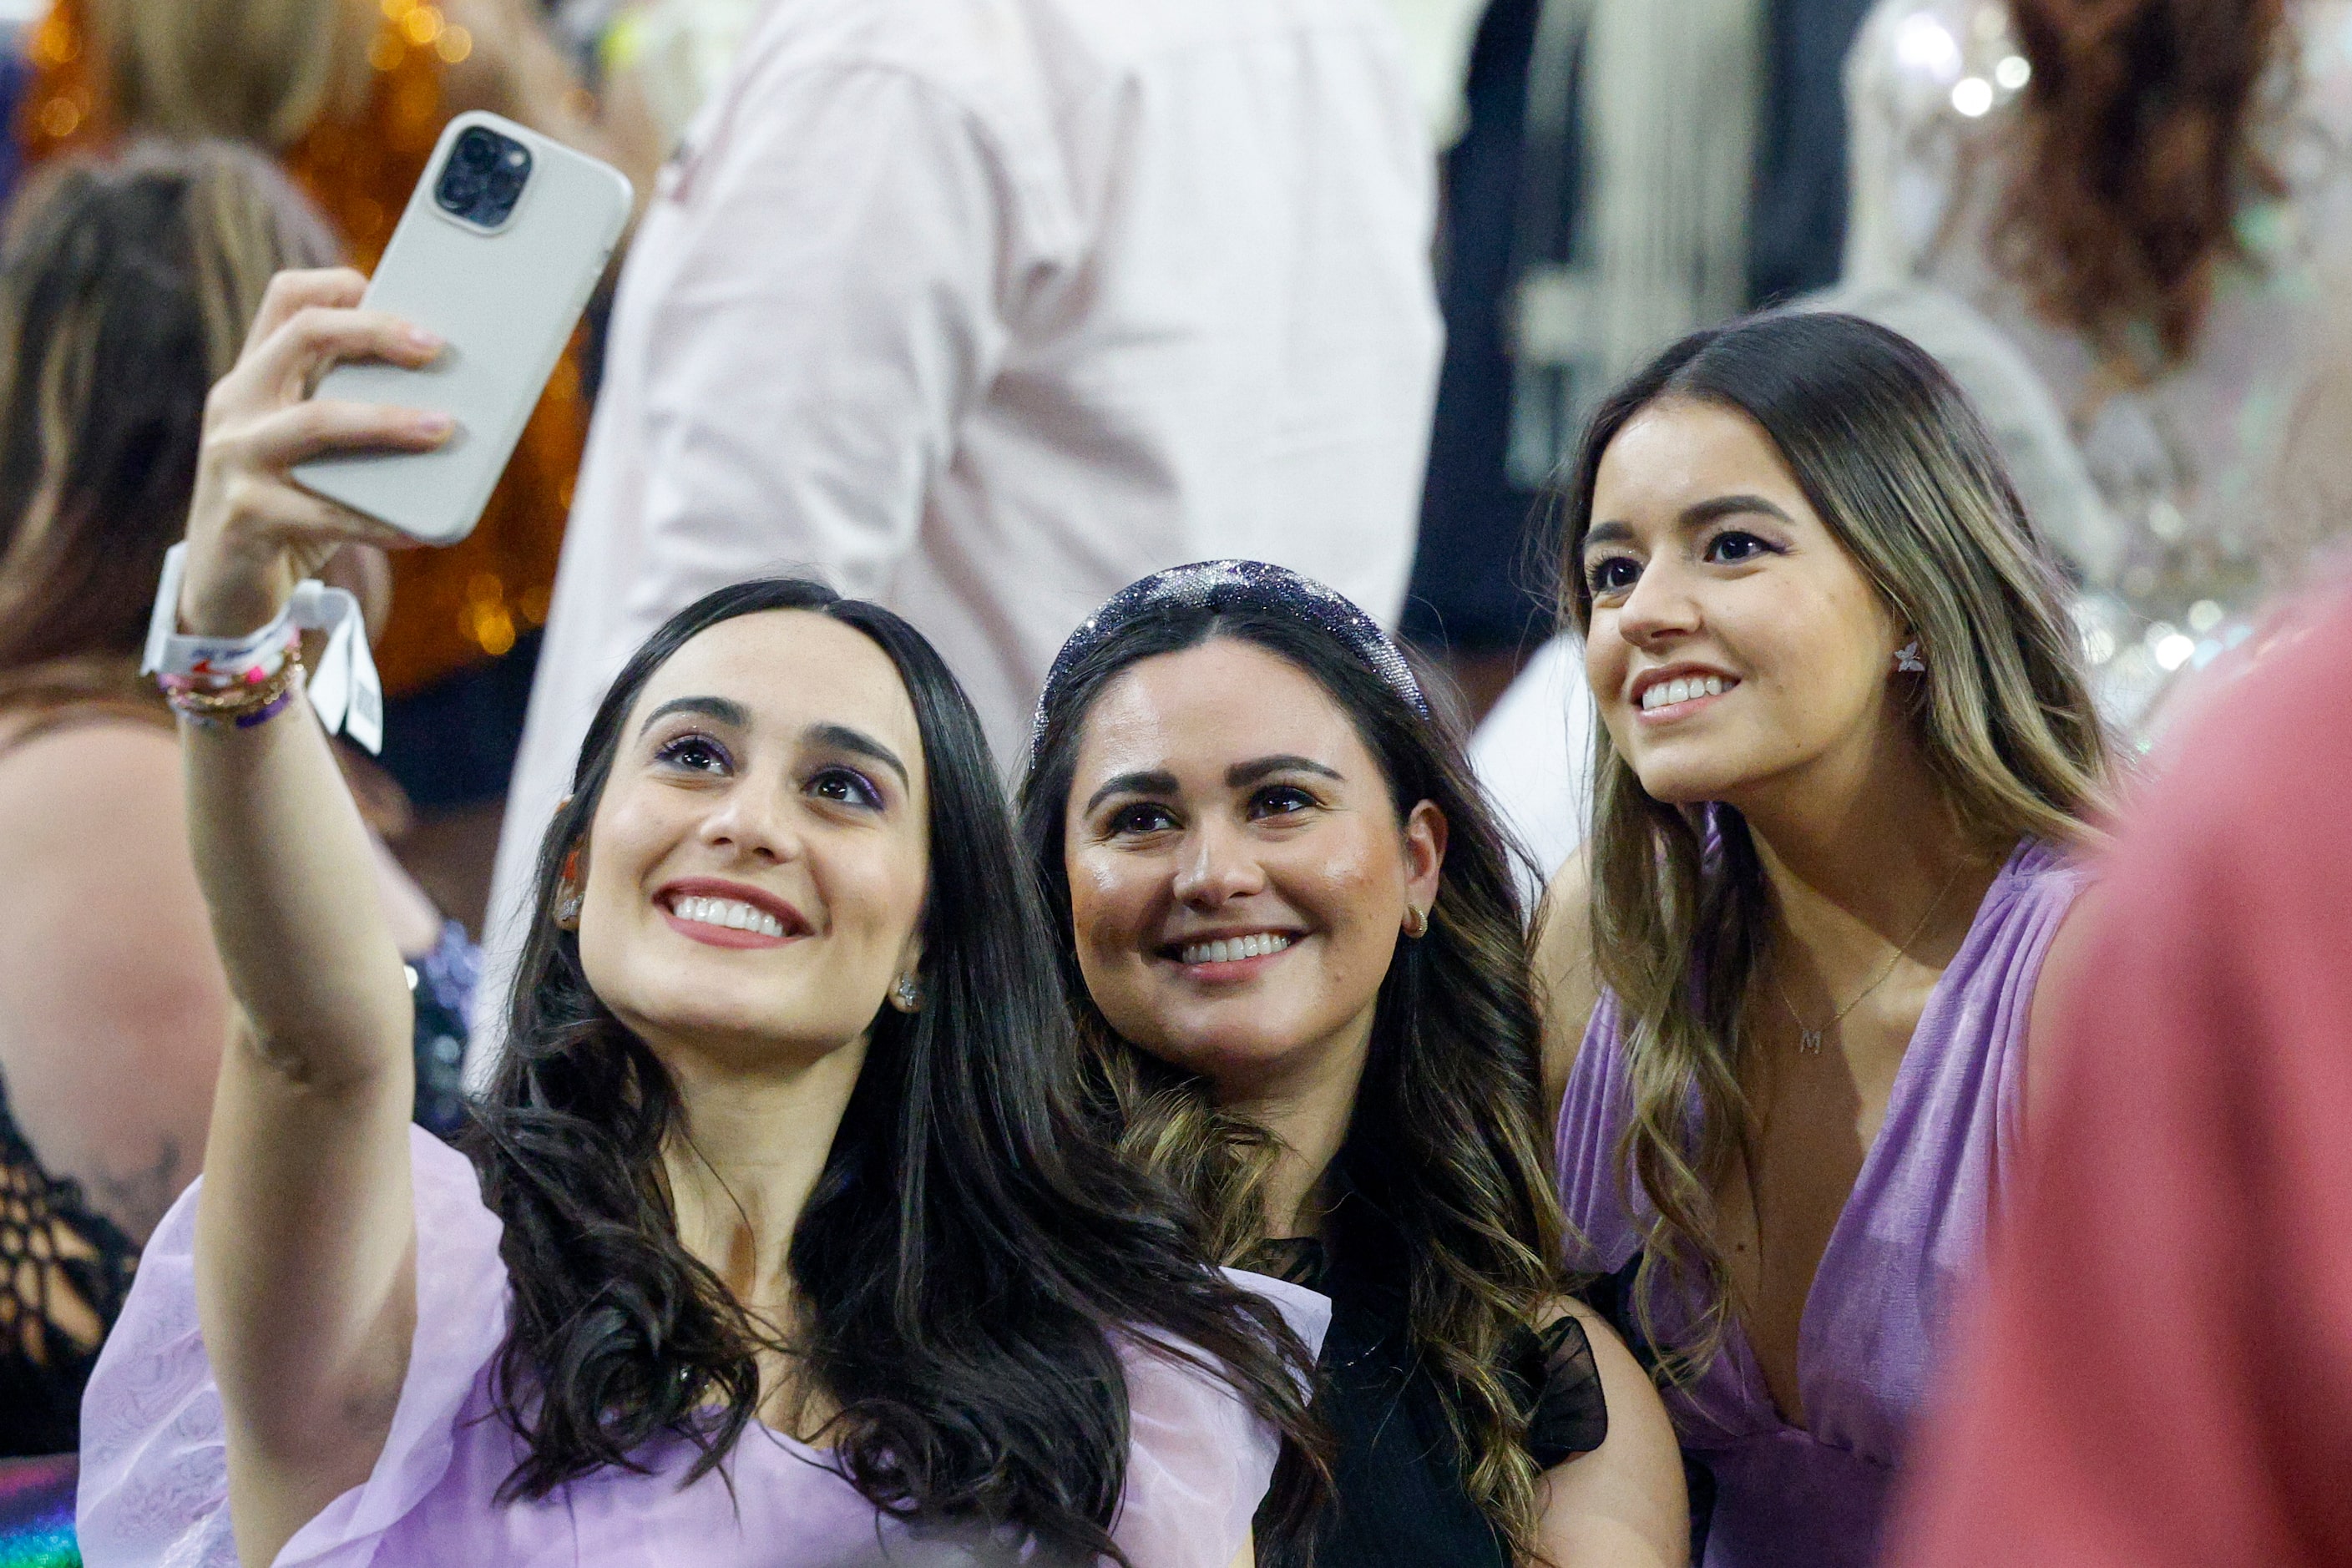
(1235, 585)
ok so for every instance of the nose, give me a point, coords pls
(1215, 867)
(1663, 607)
(752, 822)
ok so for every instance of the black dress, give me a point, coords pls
(1399, 1500)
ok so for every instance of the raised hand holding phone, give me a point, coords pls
(501, 244)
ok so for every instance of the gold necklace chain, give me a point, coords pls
(1808, 1041)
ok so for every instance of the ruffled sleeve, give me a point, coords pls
(154, 1478)
(1201, 1462)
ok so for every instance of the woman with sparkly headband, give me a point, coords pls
(784, 1238)
(1292, 932)
(1846, 749)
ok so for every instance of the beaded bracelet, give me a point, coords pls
(248, 680)
(245, 704)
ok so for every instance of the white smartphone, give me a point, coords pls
(503, 241)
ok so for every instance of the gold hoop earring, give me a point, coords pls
(1417, 921)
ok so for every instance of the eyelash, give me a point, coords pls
(1138, 817)
(674, 750)
(679, 748)
(869, 797)
(1596, 572)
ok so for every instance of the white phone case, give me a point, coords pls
(505, 300)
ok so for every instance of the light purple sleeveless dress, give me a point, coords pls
(154, 1481)
(1874, 1326)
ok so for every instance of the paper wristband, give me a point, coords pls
(343, 685)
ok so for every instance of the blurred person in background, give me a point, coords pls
(125, 288)
(2144, 197)
(2160, 1374)
(1847, 754)
(985, 311)
(350, 96)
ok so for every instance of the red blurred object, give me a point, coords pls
(2162, 1373)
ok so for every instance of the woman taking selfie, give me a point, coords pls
(783, 1238)
(1847, 747)
(1294, 939)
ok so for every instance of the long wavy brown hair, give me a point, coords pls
(2137, 141)
(1903, 473)
(1446, 1140)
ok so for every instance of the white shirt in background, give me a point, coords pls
(1534, 753)
(983, 308)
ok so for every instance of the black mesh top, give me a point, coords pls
(64, 1271)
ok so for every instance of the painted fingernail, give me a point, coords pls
(434, 425)
(431, 342)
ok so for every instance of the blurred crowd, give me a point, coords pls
(982, 310)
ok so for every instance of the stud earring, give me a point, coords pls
(1417, 921)
(1907, 659)
(905, 996)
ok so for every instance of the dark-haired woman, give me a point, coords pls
(1846, 747)
(1294, 937)
(2152, 199)
(783, 1239)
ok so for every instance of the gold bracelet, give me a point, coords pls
(243, 706)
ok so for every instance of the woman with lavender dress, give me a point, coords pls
(783, 1237)
(1797, 980)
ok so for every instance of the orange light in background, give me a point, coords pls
(423, 25)
(455, 44)
(485, 620)
(60, 117)
(384, 54)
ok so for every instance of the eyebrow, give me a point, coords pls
(840, 737)
(719, 708)
(1698, 515)
(1143, 781)
(1241, 775)
(857, 743)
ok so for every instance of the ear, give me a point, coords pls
(1424, 856)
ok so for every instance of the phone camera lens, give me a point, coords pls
(483, 177)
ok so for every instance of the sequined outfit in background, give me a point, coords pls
(2182, 461)
(454, 608)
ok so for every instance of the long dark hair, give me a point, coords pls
(126, 288)
(2138, 140)
(973, 1255)
(1903, 473)
(1445, 1142)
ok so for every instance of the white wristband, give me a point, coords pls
(343, 687)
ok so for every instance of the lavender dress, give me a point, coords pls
(1875, 1322)
(154, 1482)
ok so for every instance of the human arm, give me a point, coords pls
(1564, 974)
(305, 1239)
(1622, 1505)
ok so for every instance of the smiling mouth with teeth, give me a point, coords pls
(1666, 693)
(731, 914)
(1234, 949)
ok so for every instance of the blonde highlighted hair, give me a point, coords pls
(1897, 464)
